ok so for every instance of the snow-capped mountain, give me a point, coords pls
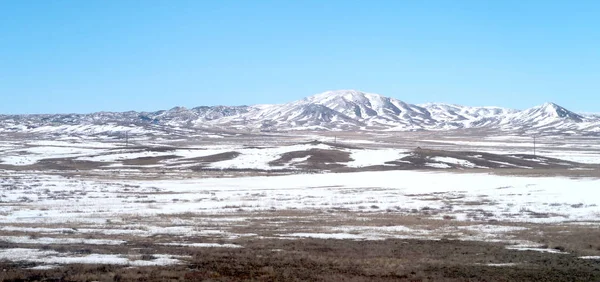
(345, 109)
(547, 113)
(465, 117)
(331, 110)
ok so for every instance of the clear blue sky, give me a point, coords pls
(116, 55)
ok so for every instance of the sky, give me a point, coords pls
(73, 56)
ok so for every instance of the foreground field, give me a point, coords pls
(333, 260)
(99, 212)
(321, 225)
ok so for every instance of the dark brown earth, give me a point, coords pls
(148, 160)
(420, 157)
(317, 159)
(332, 260)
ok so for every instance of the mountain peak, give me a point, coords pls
(550, 106)
(178, 109)
(552, 110)
(557, 109)
(346, 94)
(342, 92)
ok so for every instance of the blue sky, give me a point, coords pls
(118, 55)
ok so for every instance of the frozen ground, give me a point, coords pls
(195, 212)
(167, 156)
(464, 196)
(144, 198)
(583, 150)
(295, 154)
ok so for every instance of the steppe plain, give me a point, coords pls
(300, 206)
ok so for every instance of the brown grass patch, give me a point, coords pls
(148, 160)
(317, 158)
(333, 260)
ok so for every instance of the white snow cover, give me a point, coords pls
(325, 235)
(31, 155)
(53, 257)
(438, 165)
(502, 264)
(249, 158)
(535, 249)
(40, 203)
(507, 198)
(369, 157)
(203, 245)
(65, 241)
(463, 163)
(568, 152)
(489, 233)
(259, 158)
(89, 129)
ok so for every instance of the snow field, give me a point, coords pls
(114, 211)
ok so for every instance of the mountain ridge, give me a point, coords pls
(330, 110)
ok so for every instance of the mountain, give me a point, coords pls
(552, 118)
(465, 117)
(345, 109)
(331, 110)
(546, 114)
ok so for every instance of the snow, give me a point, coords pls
(131, 229)
(482, 143)
(324, 235)
(43, 267)
(65, 241)
(74, 142)
(53, 257)
(259, 158)
(536, 249)
(502, 264)
(488, 233)
(31, 155)
(519, 199)
(438, 165)
(364, 158)
(552, 148)
(356, 141)
(106, 209)
(378, 229)
(203, 245)
(491, 229)
(89, 129)
(463, 163)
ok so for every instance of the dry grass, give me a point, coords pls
(148, 160)
(333, 260)
(580, 239)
